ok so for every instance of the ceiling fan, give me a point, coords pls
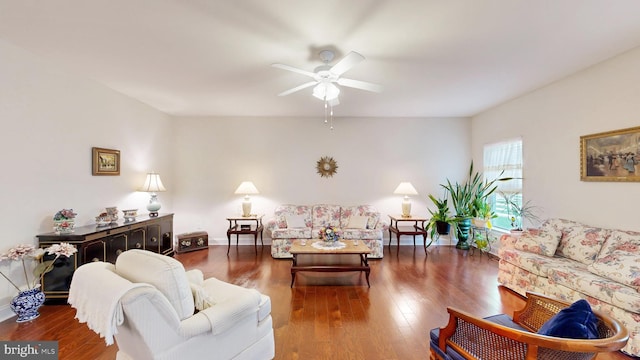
(325, 77)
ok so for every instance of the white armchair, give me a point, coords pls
(147, 301)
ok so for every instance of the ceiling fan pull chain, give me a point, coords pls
(325, 109)
(331, 127)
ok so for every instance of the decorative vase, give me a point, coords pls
(64, 226)
(463, 227)
(328, 242)
(27, 303)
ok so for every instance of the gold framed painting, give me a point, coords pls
(611, 156)
(105, 161)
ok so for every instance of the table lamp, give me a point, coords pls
(406, 189)
(247, 188)
(152, 185)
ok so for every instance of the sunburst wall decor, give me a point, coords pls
(326, 166)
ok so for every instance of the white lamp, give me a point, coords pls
(152, 185)
(247, 188)
(406, 189)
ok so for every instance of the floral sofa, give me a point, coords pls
(293, 222)
(569, 261)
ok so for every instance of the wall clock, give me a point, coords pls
(326, 166)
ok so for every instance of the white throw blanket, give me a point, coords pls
(95, 293)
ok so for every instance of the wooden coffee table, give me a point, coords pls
(353, 247)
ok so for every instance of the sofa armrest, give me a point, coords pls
(271, 224)
(382, 225)
(507, 241)
(224, 315)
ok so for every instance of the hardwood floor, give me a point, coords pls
(327, 316)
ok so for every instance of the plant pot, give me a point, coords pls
(462, 233)
(479, 223)
(443, 227)
(27, 303)
(516, 233)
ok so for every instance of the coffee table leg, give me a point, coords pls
(364, 262)
(367, 271)
(293, 272)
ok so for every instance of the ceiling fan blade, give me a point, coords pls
(362, 85)
(298, 88)
(294, 69)
(346, 63)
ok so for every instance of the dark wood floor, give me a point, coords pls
(327, 316)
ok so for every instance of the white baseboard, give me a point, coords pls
(6, 312)
(404, 240)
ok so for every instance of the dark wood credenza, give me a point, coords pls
(103, 243)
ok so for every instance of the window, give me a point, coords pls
(504, 159)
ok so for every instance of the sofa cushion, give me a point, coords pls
(165, 273)
(543, 242)
(282, 211)
(579, 242)
(295, 221)
(361, 234)
(357, 222)
(360, 210)
(574, 322)
(326, 215)
(295, 233)
(618, 260)
(621, 240)
(596, 287)
(535, 263)
(619, 265)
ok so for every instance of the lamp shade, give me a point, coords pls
(247, 188)
(153, 183)
(405, 188)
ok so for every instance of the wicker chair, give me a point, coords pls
(499, 337)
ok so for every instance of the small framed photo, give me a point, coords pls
(105, 161)
(611, 156)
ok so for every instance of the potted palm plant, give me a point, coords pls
(441, 219)
(467, 199)
(519, 212)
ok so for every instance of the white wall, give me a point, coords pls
(212, 157)
(50, 120)
(551, 120)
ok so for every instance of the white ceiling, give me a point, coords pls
(212, 57)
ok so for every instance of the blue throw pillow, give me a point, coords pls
(575, 322)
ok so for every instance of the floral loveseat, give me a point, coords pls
(292, 222)
(569, 261)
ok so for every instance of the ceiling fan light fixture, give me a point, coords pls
(326, 91)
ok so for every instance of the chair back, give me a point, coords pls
(163, 272)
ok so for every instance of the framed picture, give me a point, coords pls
(610, 156)
(105, 161)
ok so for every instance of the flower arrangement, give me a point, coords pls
(64, 221)
(329, 233)
(24, 252)
(64, 214)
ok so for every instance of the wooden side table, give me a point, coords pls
(414, 229)
(249, 225)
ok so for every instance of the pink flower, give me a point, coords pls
(62, 249)
(28, 251)
(20, 252)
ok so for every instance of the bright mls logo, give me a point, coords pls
(32, 350)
